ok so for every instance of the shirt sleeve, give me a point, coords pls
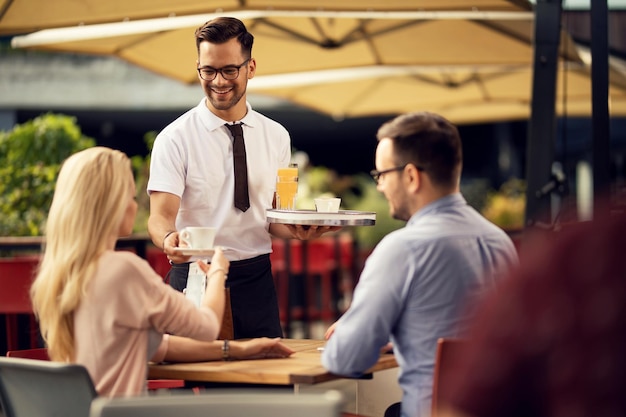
(365, 328)
(167, 166)
(159, 355)
(150, 303)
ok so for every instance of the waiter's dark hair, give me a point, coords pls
(223, 29)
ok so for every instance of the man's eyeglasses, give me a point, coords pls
(229, 72)
(377, 174)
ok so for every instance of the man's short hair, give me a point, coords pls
(429, 141)
(223, 29)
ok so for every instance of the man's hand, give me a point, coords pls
(162, 224)
(329, 332)
(305, 232)
(171, 242)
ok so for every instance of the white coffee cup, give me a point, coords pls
(327, 205)
(198, 237)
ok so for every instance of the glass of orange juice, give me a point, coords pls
(287, 187)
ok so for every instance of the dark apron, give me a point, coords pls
(252, 296)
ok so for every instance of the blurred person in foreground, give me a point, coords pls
(552, 341)
(108, 310)
(416, 282)
(192, 179)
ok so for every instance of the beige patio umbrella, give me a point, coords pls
(473, 66)
(313, 40)
(23, 16)
(461, 94)
(457, 54)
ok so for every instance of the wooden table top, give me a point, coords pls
(303, 367)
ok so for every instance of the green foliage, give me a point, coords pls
(30, 158)
(357, 192)
(319, 181)
(507, 206)
(141, 168)
(475, 191)
(369, 198)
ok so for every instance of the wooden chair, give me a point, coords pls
(42, 355)
(40, 388)
(448, 349)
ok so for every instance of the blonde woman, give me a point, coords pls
(108, 310)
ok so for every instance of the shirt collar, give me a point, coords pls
(455, 199)
(213, 122)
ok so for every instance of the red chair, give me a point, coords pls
(326, 266)
(281, 276)
(345, 250)
(16, 277)
(158, 261)
(316, 260)
(42, 355)
(448, 350)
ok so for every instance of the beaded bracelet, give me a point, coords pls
(218, 270)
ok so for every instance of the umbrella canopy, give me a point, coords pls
(473, 66)
(463, 95)
(312, 41)
(23, 16)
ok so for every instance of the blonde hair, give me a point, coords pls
(87, 209)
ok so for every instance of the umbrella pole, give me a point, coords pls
(542, 126)
(600, 106)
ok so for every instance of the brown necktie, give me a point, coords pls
(242, 201)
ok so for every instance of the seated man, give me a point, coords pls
(415, 283)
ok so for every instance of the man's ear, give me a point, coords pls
(251, 68)
(414, 177)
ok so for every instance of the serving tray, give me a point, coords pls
(314, 218)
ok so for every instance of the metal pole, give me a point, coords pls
(542, 125)
(600, 106)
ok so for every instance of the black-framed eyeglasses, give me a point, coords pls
(377, 174)
(229, 72)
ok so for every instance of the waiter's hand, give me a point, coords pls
(305, 232)
(171, 242)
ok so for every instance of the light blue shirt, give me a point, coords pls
(414, 289)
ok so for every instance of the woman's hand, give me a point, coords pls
(184, 349)
(259, 348)
(216, 274)
(219, 261)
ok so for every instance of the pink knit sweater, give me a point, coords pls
(121, 321)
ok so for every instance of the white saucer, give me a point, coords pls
(195, 252)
